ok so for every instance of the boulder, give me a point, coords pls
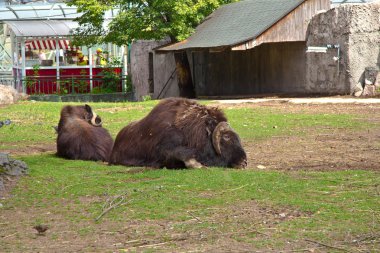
(377, 81)
(369, 90)
(11, 166)
(8, 95)
(370, 75)
(358, 90)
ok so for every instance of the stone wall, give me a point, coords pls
(355, 28)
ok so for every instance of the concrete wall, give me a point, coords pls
(355, 28)
(268, 68)
(163, 66)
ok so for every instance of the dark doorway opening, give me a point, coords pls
(151, 74)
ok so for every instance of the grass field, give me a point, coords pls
(203, 210)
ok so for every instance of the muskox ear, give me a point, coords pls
(221, 127)
(210, 124)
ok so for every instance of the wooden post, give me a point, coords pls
(23, 70)
(57, 62)
(90, 71)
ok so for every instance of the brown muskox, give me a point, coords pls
(81, 135)
(179, 133)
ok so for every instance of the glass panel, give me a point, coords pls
(70, 12)
(6, 14)
(24, 12)
(47, 11)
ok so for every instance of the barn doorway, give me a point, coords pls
(151, 74)
(185, 82)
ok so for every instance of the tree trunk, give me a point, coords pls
(185, 82)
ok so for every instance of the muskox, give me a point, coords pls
(81, 135)
(179, 133)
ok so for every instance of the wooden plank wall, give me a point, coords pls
(292, 27)
(269, 68)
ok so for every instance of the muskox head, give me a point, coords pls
(82, 113)
(91, 117)
(227, 145)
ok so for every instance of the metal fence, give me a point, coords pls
(39, 85)
(7, 80)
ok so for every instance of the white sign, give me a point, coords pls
(316, 50)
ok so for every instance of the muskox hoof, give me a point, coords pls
(193, 164)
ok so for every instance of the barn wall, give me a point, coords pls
(269, 68)
(356, 29)
(165, 76)
(292, 27)
(163, 65)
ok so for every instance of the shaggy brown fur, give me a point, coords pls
(80, 135)
(177, 133)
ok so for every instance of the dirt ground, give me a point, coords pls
(334, 149)
(229, 228)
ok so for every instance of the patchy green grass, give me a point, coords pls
(33, 122)
(337, 205)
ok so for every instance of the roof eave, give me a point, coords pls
(239, 45)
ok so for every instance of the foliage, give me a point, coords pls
(63, 86)
(30, 82)
(146, 98)
(74, 85)
(110, 78)
(153, 19)
(81, 84)
(36, 69)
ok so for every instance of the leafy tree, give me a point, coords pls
(143, 19)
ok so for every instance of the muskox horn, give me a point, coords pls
(96, 120)
(222, 126)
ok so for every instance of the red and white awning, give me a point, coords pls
(48, 44)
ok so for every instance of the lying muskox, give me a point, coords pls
(179, 133)
(81, 135)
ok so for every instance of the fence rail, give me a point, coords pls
(34, 85)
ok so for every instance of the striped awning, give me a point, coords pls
(48, 44)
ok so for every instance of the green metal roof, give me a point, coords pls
(235, 23)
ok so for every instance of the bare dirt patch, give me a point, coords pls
(31, 149)
(337, 150)
(227, 229)
(334, 149)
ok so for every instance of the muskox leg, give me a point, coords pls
(185, 155)
(193, 164)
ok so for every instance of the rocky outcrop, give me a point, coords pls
(370, 85)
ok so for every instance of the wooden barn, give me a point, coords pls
(250, 47)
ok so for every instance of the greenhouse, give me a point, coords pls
(39, 58)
